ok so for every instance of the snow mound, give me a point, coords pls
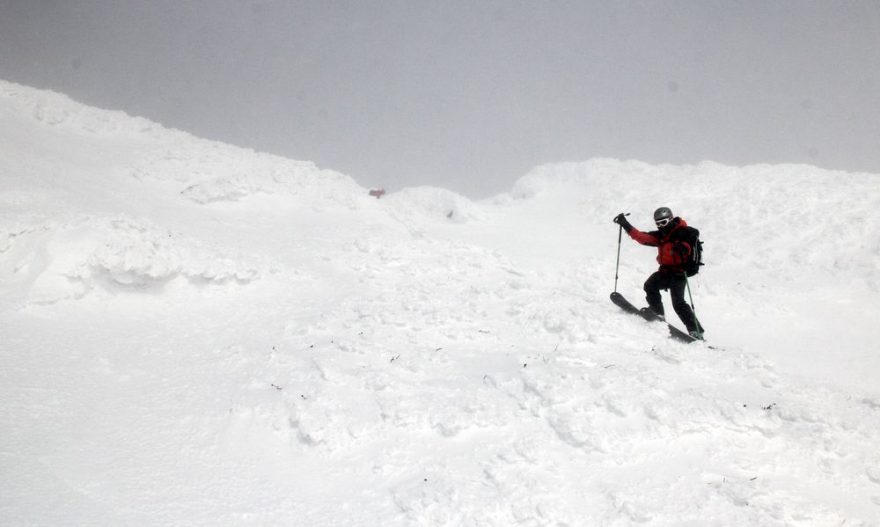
(48, 262)
(433, 204)
(132, 253)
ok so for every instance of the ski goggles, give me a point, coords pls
(662, 222)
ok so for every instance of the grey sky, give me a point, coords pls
(470, 95)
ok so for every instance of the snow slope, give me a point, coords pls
(197, 334)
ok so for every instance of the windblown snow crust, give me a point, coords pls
(194, 333)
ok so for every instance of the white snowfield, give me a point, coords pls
(197, 334)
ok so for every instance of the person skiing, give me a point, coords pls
(674, 240)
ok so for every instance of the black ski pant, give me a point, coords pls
(676, 284)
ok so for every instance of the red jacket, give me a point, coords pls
(673, 245)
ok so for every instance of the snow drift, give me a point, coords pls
(194, 333)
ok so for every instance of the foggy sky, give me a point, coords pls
(469, 95)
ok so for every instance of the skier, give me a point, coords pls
(674, 241)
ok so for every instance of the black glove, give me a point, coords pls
(620, 219)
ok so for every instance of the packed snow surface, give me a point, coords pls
(197, 334)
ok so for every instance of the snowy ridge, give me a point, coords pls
(200, 170)
(198, 334)
(57, 110)
(222, 173)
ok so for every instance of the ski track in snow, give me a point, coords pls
(198, 334)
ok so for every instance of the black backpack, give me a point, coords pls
(692, 266)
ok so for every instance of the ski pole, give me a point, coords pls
(617, 267)
(691, 297)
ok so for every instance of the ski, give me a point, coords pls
(650, 316)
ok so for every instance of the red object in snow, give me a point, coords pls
(377, 193)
